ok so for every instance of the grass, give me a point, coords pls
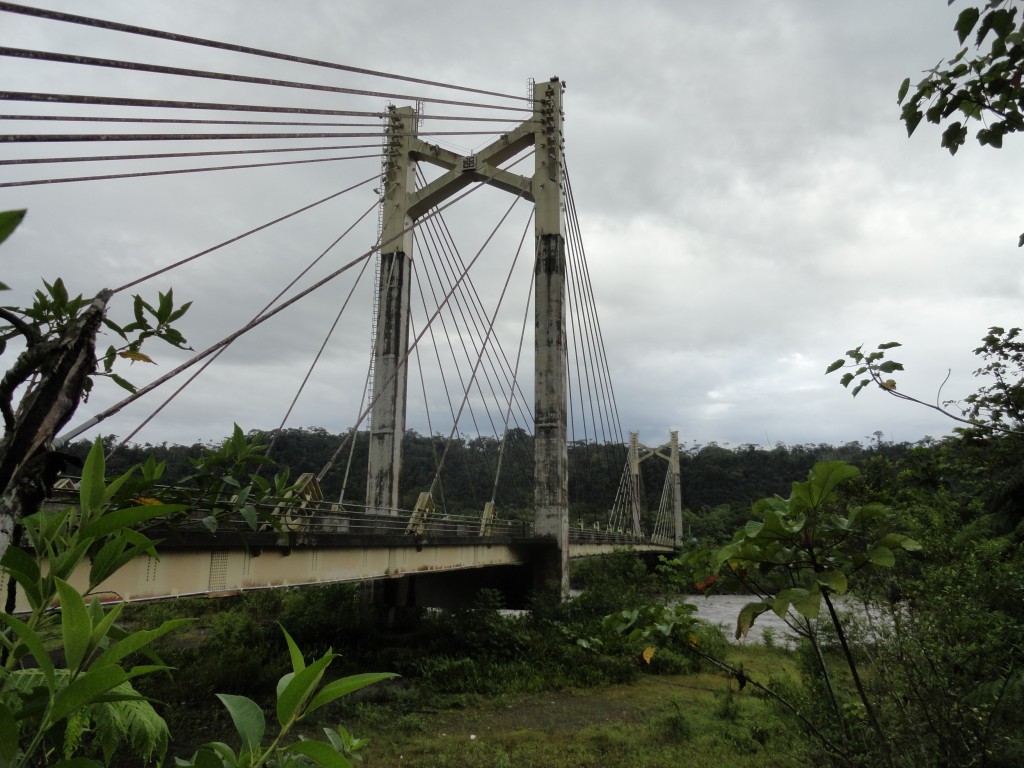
(697, 720)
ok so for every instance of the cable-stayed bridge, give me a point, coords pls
(385, 315)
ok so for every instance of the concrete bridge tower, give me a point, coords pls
(403, 205)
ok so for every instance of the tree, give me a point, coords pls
(982, 84)
(54, 373)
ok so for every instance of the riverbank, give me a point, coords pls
(698, 720)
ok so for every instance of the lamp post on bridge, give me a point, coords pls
(403, 205)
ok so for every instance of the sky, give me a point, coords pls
(750, 205)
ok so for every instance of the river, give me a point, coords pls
(724, 609)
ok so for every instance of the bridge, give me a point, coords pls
(418, 177)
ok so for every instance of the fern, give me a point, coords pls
(99, 728)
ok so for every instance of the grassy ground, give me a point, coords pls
(693, 720)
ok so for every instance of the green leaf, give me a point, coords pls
(300, 688)
(889, 366)
(834, 580)
(9, 221)
(964, 24)
(298, 662)
(136, 641)
(346, 685)
(8, 736)
(248, 719)
(112, 522)
(836, 365)
(899, 540)
(24, 569)
(748, 615)
(1020, 242)
(320, 753)
(92, 489)
(123, 383)
(881, 556)
(824, 477)
(34, 644)
(889, 345)
(86, 689)
(75, 625)
(902, 94)
(809, 606)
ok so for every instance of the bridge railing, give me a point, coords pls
(304, 516)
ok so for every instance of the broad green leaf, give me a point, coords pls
(836, 365)
(834, 580)
(824, 477)
(24, 569)
(136, 641)
(300, 688)
(902, 93)
(346, 685)
(964, 25)
(889, 345)
(93, 488)
(75, 625)
(298, 662)
(899, 540)
(320, 753)
(752, 528)
(809, 605)
(881, 556)
(110, 522)
(33, 643)
(8, 736)
(748, 615)
(9, 221)
(780, 605)
(123, 383)
(86, 689)
(248, 719)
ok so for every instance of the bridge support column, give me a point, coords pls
(551, 485)
(677, 488)
(391, 340)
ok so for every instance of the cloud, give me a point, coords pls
(749, 203)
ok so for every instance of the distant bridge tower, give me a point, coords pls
(639, 452)
(403, 205)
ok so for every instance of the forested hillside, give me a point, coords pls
(719, 483)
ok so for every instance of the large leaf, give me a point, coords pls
(824, 477)
(8, 736)
(298, 663)
(136, 641)
(748, 615)
(248, 719)
(9, 221)
(33, 643)
(834, 580)
(86, 689)
(93, 489)
(24, 569)
(320, 753)
(345, 686)
(111, 522)
(300, 688)
(75, 625)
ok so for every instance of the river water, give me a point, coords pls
(723, 610)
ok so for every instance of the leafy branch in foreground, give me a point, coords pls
(997, 406)
(299, 694)
(983, 84)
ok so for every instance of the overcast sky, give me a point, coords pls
(750, 204)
